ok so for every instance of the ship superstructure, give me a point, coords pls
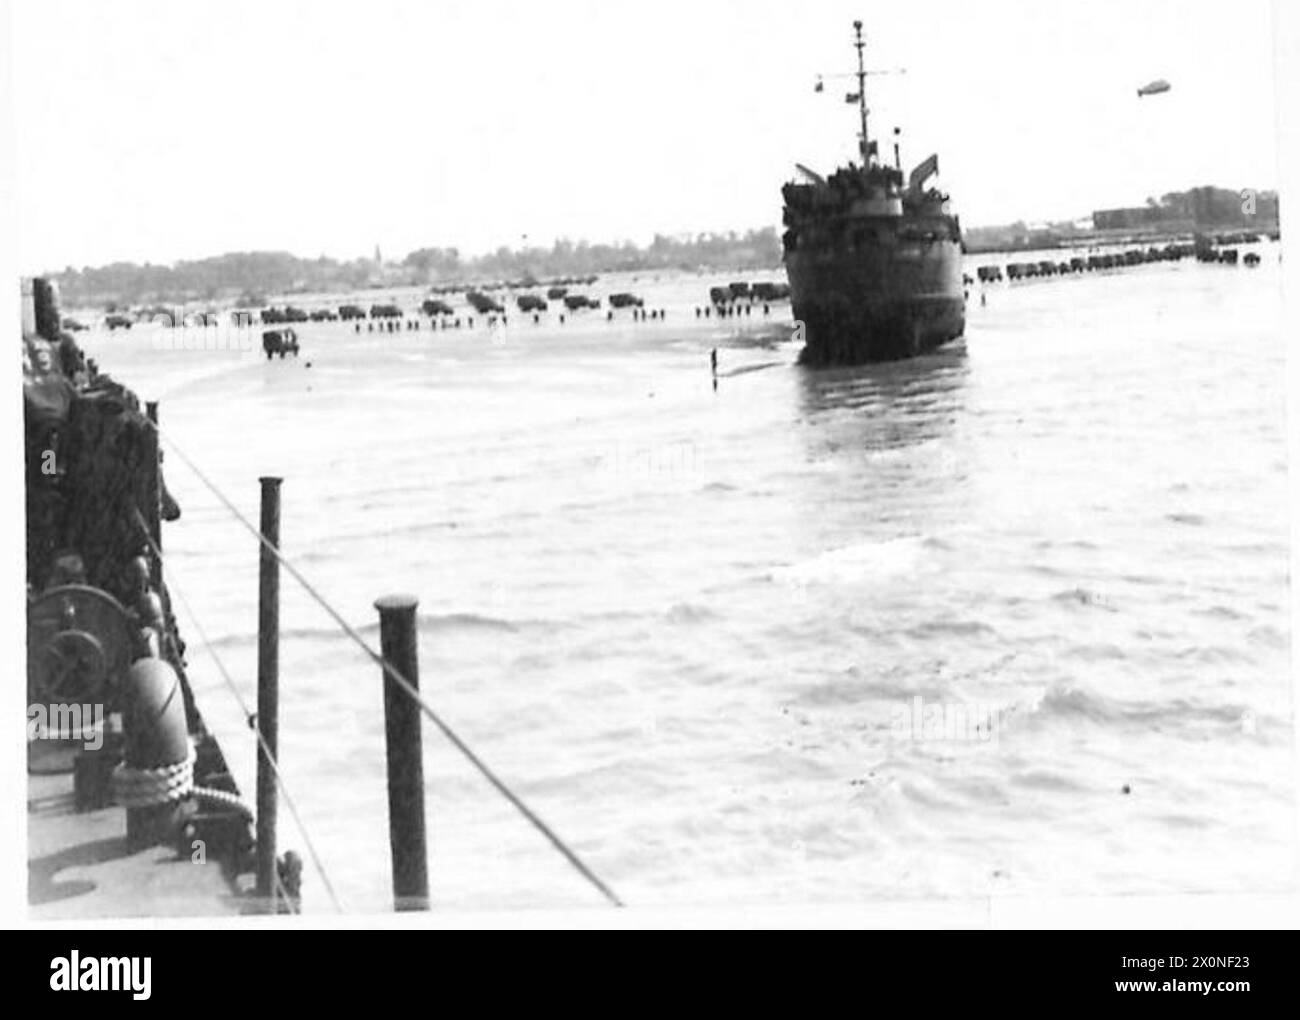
(873, 257)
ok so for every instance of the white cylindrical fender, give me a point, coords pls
(153, 717)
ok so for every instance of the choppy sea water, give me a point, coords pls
(704, 632)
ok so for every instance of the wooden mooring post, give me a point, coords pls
(406, 834)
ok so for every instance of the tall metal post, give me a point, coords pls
(268, 687)
(406, 834)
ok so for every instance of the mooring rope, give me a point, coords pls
(391, 671)
(145, 787)
(250, 716)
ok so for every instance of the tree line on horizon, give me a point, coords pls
(247, 278)
(1202, 208)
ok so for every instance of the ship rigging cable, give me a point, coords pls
(250, 716)
(401, 681)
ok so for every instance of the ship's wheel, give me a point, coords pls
(78, 646)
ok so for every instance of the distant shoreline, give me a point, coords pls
(253, 279)
(1102, 238)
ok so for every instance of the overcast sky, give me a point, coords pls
(163, 130)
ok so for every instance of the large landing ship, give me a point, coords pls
(874, 259)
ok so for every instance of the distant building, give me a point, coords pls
(1130, 219)
(1195, 208)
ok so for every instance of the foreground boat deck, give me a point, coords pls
(79, 867)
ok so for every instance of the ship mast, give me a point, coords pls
(859, 43)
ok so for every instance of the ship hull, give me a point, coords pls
(878, 303)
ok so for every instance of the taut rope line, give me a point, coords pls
(401, 681)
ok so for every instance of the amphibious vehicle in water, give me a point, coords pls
(874, 259)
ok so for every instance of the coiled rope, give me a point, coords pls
(138, 788)
(391, 671)
(176, 586)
